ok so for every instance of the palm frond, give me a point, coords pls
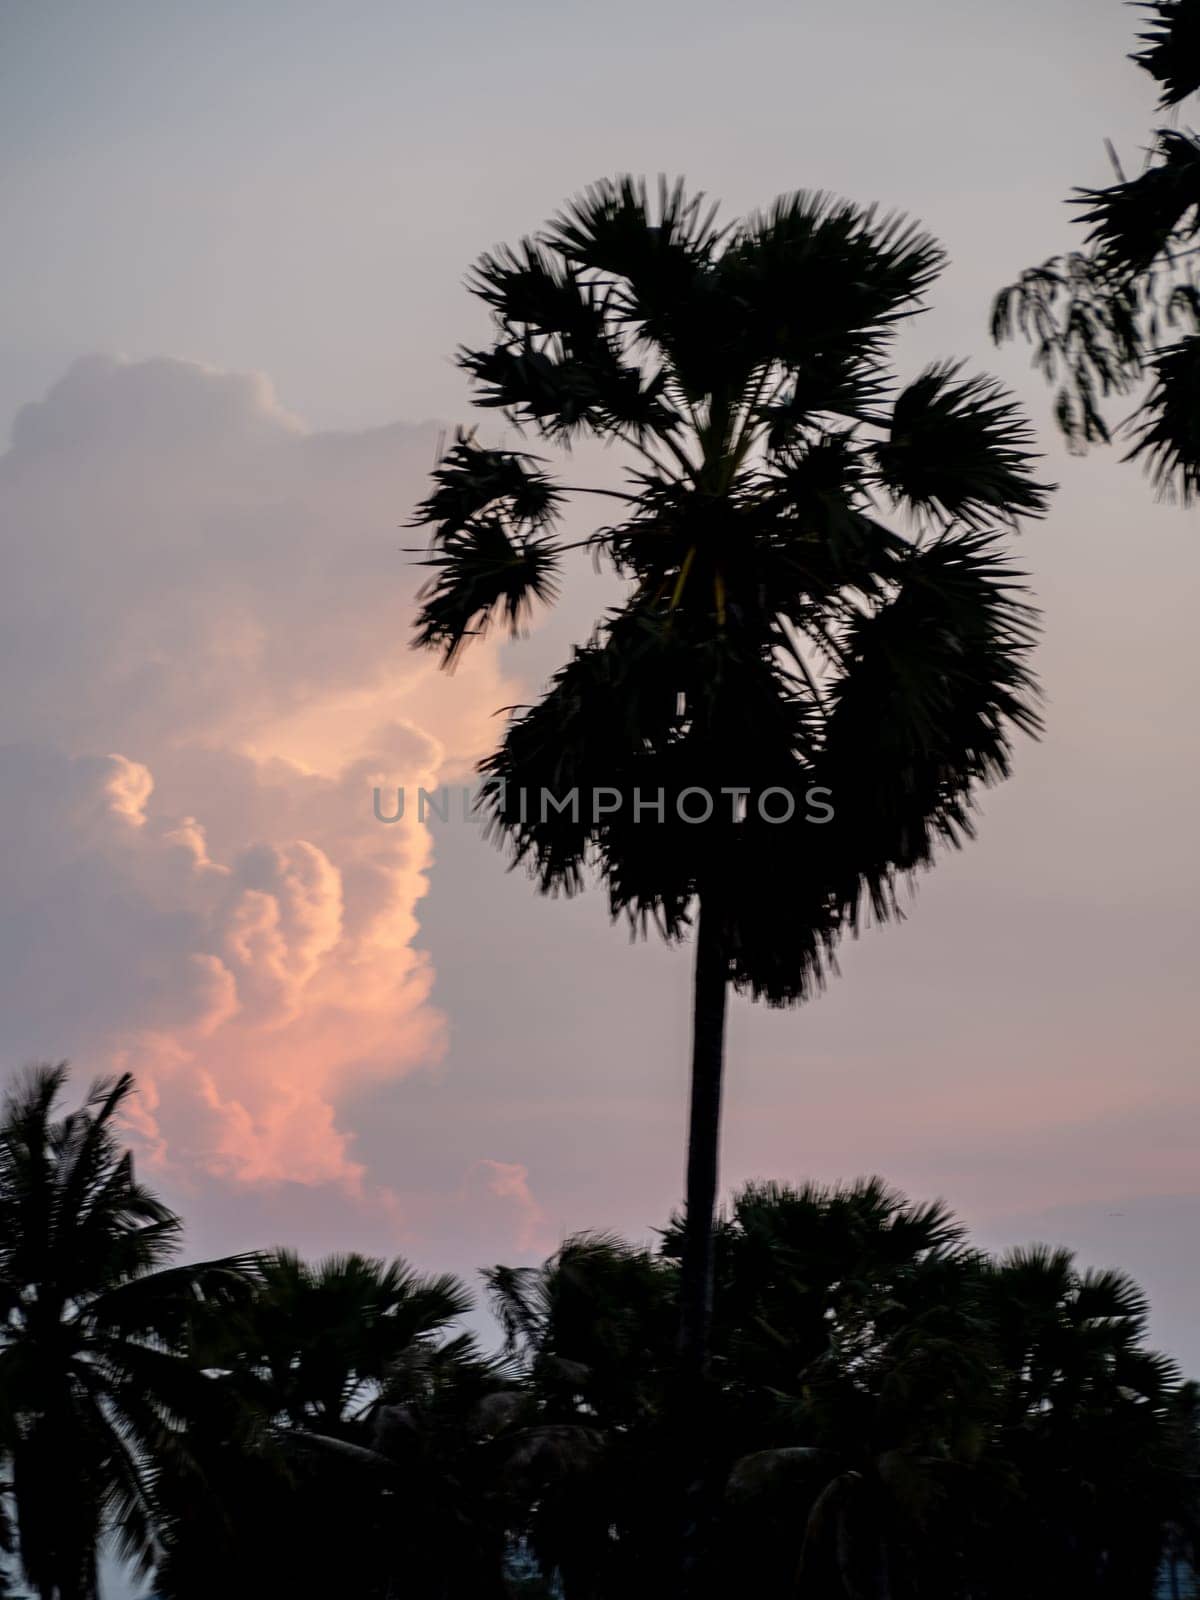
(482, 571)
(1167, 425)
(562, 395)
(1133, 223)
(531, 288)
(656, 263)
(960, 449)
(471, 479)
(516, 1296)
(935, 681)
(166, 1302)
(1171, 53)
(614, 229)
(822, 281)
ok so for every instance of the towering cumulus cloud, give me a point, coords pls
(203, 642)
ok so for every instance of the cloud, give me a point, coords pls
(509, 1180)
(203, 638)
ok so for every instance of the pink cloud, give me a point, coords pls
(223, 678)
(509, 1180)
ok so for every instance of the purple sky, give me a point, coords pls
(251, 222)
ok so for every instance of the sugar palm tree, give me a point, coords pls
(952, 1423)
(803, 696)
(313, 1370)
(323, 1338)
(896, 1413)
(1089, 1413)
(855, 1383)
(95, 1385)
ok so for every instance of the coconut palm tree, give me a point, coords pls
(1124, 308)
(797, 701)
(95, 1384)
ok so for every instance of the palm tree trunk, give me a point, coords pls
(710, 992)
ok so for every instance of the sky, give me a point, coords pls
(232, 288)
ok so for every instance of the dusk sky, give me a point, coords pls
(232, 286)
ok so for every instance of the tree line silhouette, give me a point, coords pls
(894, 1413)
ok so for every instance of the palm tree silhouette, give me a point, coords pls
(95, 1384)
(1088, 1419)
(851, 1375)
(777, 638)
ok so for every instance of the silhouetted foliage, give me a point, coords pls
(893, 1416)
(1126, 307)
(96, 1385)
(347, 1406)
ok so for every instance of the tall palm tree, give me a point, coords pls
(780, 650)
(95, 1384)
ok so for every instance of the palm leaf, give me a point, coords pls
(471, 479)
(821, 281)
(482, 571)
(935, 681)
(1172, 48)
(960, 450)
(1167, 425)
(1134, 222)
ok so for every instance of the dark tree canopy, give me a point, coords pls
(895, 1414)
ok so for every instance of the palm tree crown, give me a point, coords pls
(324, 1340)
(776, 634)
